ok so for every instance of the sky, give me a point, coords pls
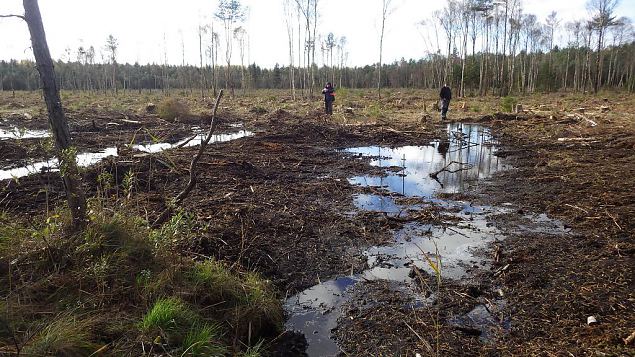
(146, 29)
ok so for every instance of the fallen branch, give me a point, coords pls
(167, 213)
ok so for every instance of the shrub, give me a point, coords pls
(508, 104)
(171, 109)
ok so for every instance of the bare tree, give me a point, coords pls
(202, 31)
(385, 12)
(57, 119)
(341, 47)
(602, 18)
(111, 48)
(330, 43)
(288, 19)
(231, 13)
(240, 34)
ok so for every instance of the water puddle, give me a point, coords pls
(91, 158)
(192, 141)
(19, 133)
(467, 155)
(449, 166)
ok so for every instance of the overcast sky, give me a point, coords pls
(140, 27)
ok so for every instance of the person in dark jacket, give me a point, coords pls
(446, 96)
(329, 97)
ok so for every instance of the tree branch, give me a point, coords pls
(167, 213)
(11, 15)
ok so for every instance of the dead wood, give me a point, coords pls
(178, 200)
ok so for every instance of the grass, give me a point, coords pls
(66, 335)
(171, 109)
(215, 278)
(202, 340)
(169, 314)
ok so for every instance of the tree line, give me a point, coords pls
(568, 68)
(477, 47)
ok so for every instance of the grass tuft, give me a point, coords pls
(202, 340)
(67, 335)
(215, 278)
(170, 314)
(171, 109)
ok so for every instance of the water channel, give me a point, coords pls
(89, 158)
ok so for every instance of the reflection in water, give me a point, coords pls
(83, 160)
(315, 311)
(468, 144)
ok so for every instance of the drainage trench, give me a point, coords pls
(90, 158)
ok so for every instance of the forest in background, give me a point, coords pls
(477, 47)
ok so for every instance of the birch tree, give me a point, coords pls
(602, 18)
(232, 14)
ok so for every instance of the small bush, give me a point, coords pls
(171, 109)
(508, 104)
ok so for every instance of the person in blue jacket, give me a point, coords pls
(329, 97)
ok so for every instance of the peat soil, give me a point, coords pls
(279, 202)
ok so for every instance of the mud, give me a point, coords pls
(296, 202)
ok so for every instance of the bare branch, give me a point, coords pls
(167, 213)
(11, 15)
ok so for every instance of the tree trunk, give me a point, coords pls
(57, 119)
(598, 61)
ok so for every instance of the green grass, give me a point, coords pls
(214, 277)
(374, 111)
(169, 314)
(202, 340)
(253, 351)
(260, 303)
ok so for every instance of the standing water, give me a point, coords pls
(91, 158)
(445, 166)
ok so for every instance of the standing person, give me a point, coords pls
(329, 97)
(446, 96)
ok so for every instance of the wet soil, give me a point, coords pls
(279, 202)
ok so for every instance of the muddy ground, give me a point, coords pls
(277, 202)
